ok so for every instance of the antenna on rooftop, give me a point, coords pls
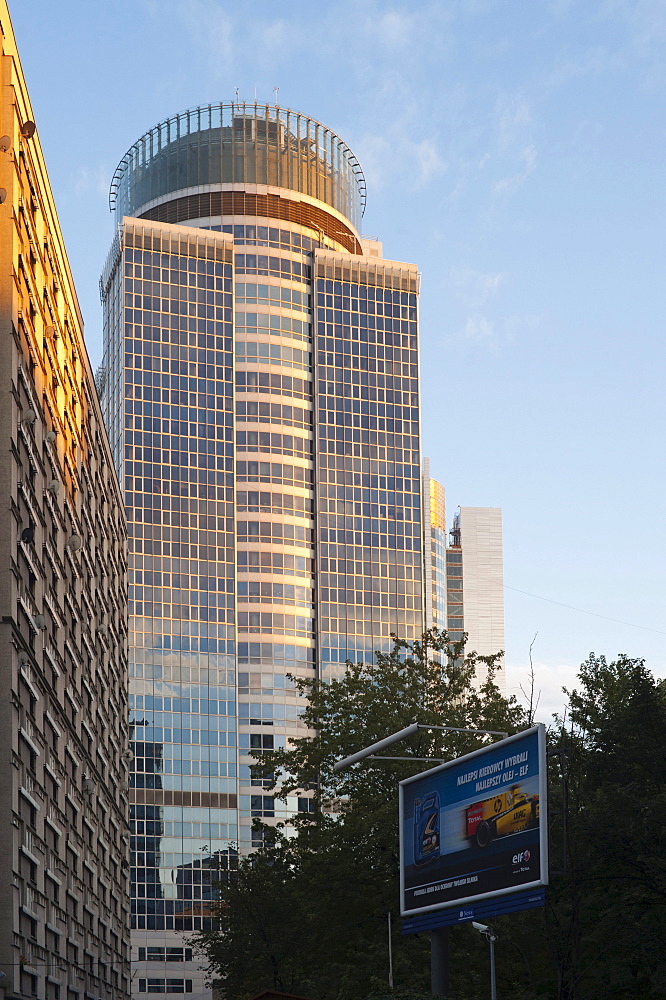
(276, 91)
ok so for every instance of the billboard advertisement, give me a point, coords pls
(475, 827)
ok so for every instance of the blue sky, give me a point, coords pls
(515, 152)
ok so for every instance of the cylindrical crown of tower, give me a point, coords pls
(239, 147)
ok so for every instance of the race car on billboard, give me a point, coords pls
(509, 812)
(426, 829)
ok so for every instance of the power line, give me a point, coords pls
(582, 611)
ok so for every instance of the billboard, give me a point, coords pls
(475, 827)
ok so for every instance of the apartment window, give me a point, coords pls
(165, 986)
(52, 888)
(52, 838)
(165, 954)
(28, 984)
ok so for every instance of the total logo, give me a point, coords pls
(523, 856)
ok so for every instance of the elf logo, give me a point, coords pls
(523, 856)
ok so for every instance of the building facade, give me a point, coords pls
(463, 573)
(434, 550)
(475, 581)
(64, 843)
(260, 386)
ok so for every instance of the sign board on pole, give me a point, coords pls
(475, 827)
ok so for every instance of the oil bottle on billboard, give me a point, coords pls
(426, 829)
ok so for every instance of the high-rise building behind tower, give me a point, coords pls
(434, 550)
(260, 385)
(463, 578)
(64, 916)
(475, 582)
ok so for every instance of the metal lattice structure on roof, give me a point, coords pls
(239, 143)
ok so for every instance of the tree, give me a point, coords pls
(606, 915)
(308, 912)
(601, 933)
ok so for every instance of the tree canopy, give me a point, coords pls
(307, 912)
(606, 915)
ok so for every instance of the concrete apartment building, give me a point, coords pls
(64, 845)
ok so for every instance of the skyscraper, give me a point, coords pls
(463, 577)
(475, 581)
(434, 550)
(64, 846)
(260, 386)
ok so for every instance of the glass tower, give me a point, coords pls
(434, 551)
(260, 386)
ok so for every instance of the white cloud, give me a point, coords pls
(276, 35)
(515, 152)
(211, 29)
(479, 330)
(393, 29)
(507, 185)
(475, 290)
(476, 287)
(482, 330)
(560, 8)
(89, 179)
(521, 325)
(429, 160)
(591, 63)
(394, 154)
(374, 152)
(512, 115)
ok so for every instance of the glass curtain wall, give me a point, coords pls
(169, 400)
(261, 389)
(436, 537)
(369, 535)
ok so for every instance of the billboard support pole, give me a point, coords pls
(439, 962)
(489, 933)
(390, 952)
(493, 981)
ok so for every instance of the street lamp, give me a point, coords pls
(403, 734)
(439, 935)
(492, 937)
